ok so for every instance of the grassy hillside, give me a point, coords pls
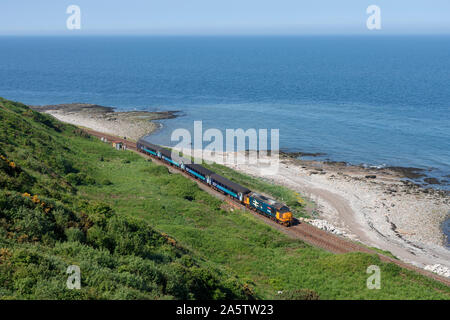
(45, 225)
(138, 231)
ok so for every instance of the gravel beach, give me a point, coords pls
(131, 124)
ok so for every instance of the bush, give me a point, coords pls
(74, 235)
(98, 213)
(33, 223)
(183, 188)
(106, 182)
(80, 179)
(61, 164)
(300, 294)
(81, 133)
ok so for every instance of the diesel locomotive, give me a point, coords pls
(270, 208)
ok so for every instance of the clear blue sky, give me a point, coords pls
(223, 16)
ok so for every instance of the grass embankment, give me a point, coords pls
(45, 225)
(221, 251)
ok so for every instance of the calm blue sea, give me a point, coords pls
(382, 100)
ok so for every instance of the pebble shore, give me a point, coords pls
(132, 124)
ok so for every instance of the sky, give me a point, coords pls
(223, 17)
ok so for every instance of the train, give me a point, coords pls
(270, 208)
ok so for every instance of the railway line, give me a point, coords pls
(303, 231)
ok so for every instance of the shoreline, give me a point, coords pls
(415, 175)
(372, 206)
(130, 124)
(400, 177)
(375, 206)
(406, 175)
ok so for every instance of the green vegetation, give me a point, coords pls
(45, 226)
(138, 231)
(383, 252)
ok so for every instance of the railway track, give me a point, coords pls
(302, 231)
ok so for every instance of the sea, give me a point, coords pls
(371, 100)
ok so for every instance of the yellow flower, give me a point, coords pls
(35, 199)
(4, 254)
(22, 238)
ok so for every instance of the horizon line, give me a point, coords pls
(77, 34)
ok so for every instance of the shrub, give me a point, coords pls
(98, 213)
(80, 178)
(74, 235)
(81, 133)
(106, 182)
(299, 294)
(33, 223)
(61, 164)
